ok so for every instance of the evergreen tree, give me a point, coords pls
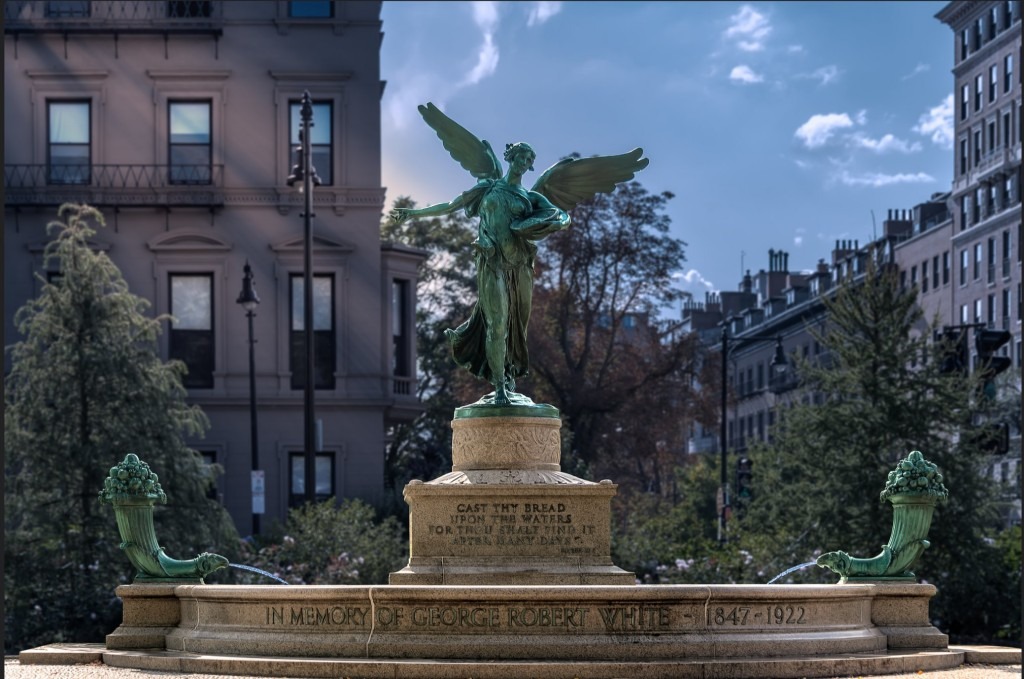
(816, 486)
(87, 387)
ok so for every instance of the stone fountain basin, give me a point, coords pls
(610, 623)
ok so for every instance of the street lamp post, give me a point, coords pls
(778, 367)
(249, 301)
(304, 171)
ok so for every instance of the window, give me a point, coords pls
(1007, 13)
(324, 477)
(321, 137)
(67, 9)
(935, 271)
(965, 93)
(323, 332)
(1007, 73)
(965, 42)
(69, 151)
(190, 148)
(1006, 254)
(979, 91)
(965, 211)
(979, 201)
(945, 267)
(924, 276)
(189, 9)
(993, 82)
(978, 25)
(991, 136)
(311, 9)
(993, 22)
(1006, 308)
(977, 311)
(977, 147)
(991, 317)
(991, 260)
(760, 376)
(977, 261)
(963, 156)
(400, 334)
(913, 276)
(964, 314)
(1006, 129)
(963, 266)
(191, 336)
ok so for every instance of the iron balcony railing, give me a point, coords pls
(94, 15)
(114, 184)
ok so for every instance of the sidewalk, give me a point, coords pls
(15, 670)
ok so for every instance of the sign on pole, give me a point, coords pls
(258, 495)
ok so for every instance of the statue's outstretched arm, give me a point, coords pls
(400, 214)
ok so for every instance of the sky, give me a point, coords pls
(785, 125)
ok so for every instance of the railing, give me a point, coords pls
(69, 15)
(114, 184)
(402, 386)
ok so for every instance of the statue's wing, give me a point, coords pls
(574, 180)
(473, 154)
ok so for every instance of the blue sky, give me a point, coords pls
(775, 124)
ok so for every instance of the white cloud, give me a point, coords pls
(485, 15)
(937, 123)
(826, 74)
(884, 145)
(920, 68)
(745, 74)
(819, 128)
(693, 280)
(542, 11)
(803, 164)
(798, 239)
(862, 117)
(878, 179)
(795, 49)
(750, 27)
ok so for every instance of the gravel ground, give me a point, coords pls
(14, 670)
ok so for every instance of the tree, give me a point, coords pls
(421, 449)
(87, 387)
(328, 543)
(817, 484)
(596, 350)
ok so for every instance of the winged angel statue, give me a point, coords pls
(492, 343)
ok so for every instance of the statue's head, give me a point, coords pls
(512, 151)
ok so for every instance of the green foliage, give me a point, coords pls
(445, 293)
(86, 387)
(674, 541)
(817, 485)
(330, 544)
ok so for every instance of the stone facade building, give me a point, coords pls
(961, 248)
(178, 121)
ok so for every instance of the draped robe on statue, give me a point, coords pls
(510, 219)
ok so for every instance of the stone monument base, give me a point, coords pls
(643, 632)
(506, 515)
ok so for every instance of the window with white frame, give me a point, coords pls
(323, 332)
(1007, 73)
(190, 142)
(191, 337)
(979, 91)
(69, 142)
(993, 82)
(321, 136)
(965, 95)
(323, 481)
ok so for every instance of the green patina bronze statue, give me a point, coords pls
(133, 489)
(913, 488)
(492, 343)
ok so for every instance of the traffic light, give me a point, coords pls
(744, 478)
(987, 343)
(954, 347)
